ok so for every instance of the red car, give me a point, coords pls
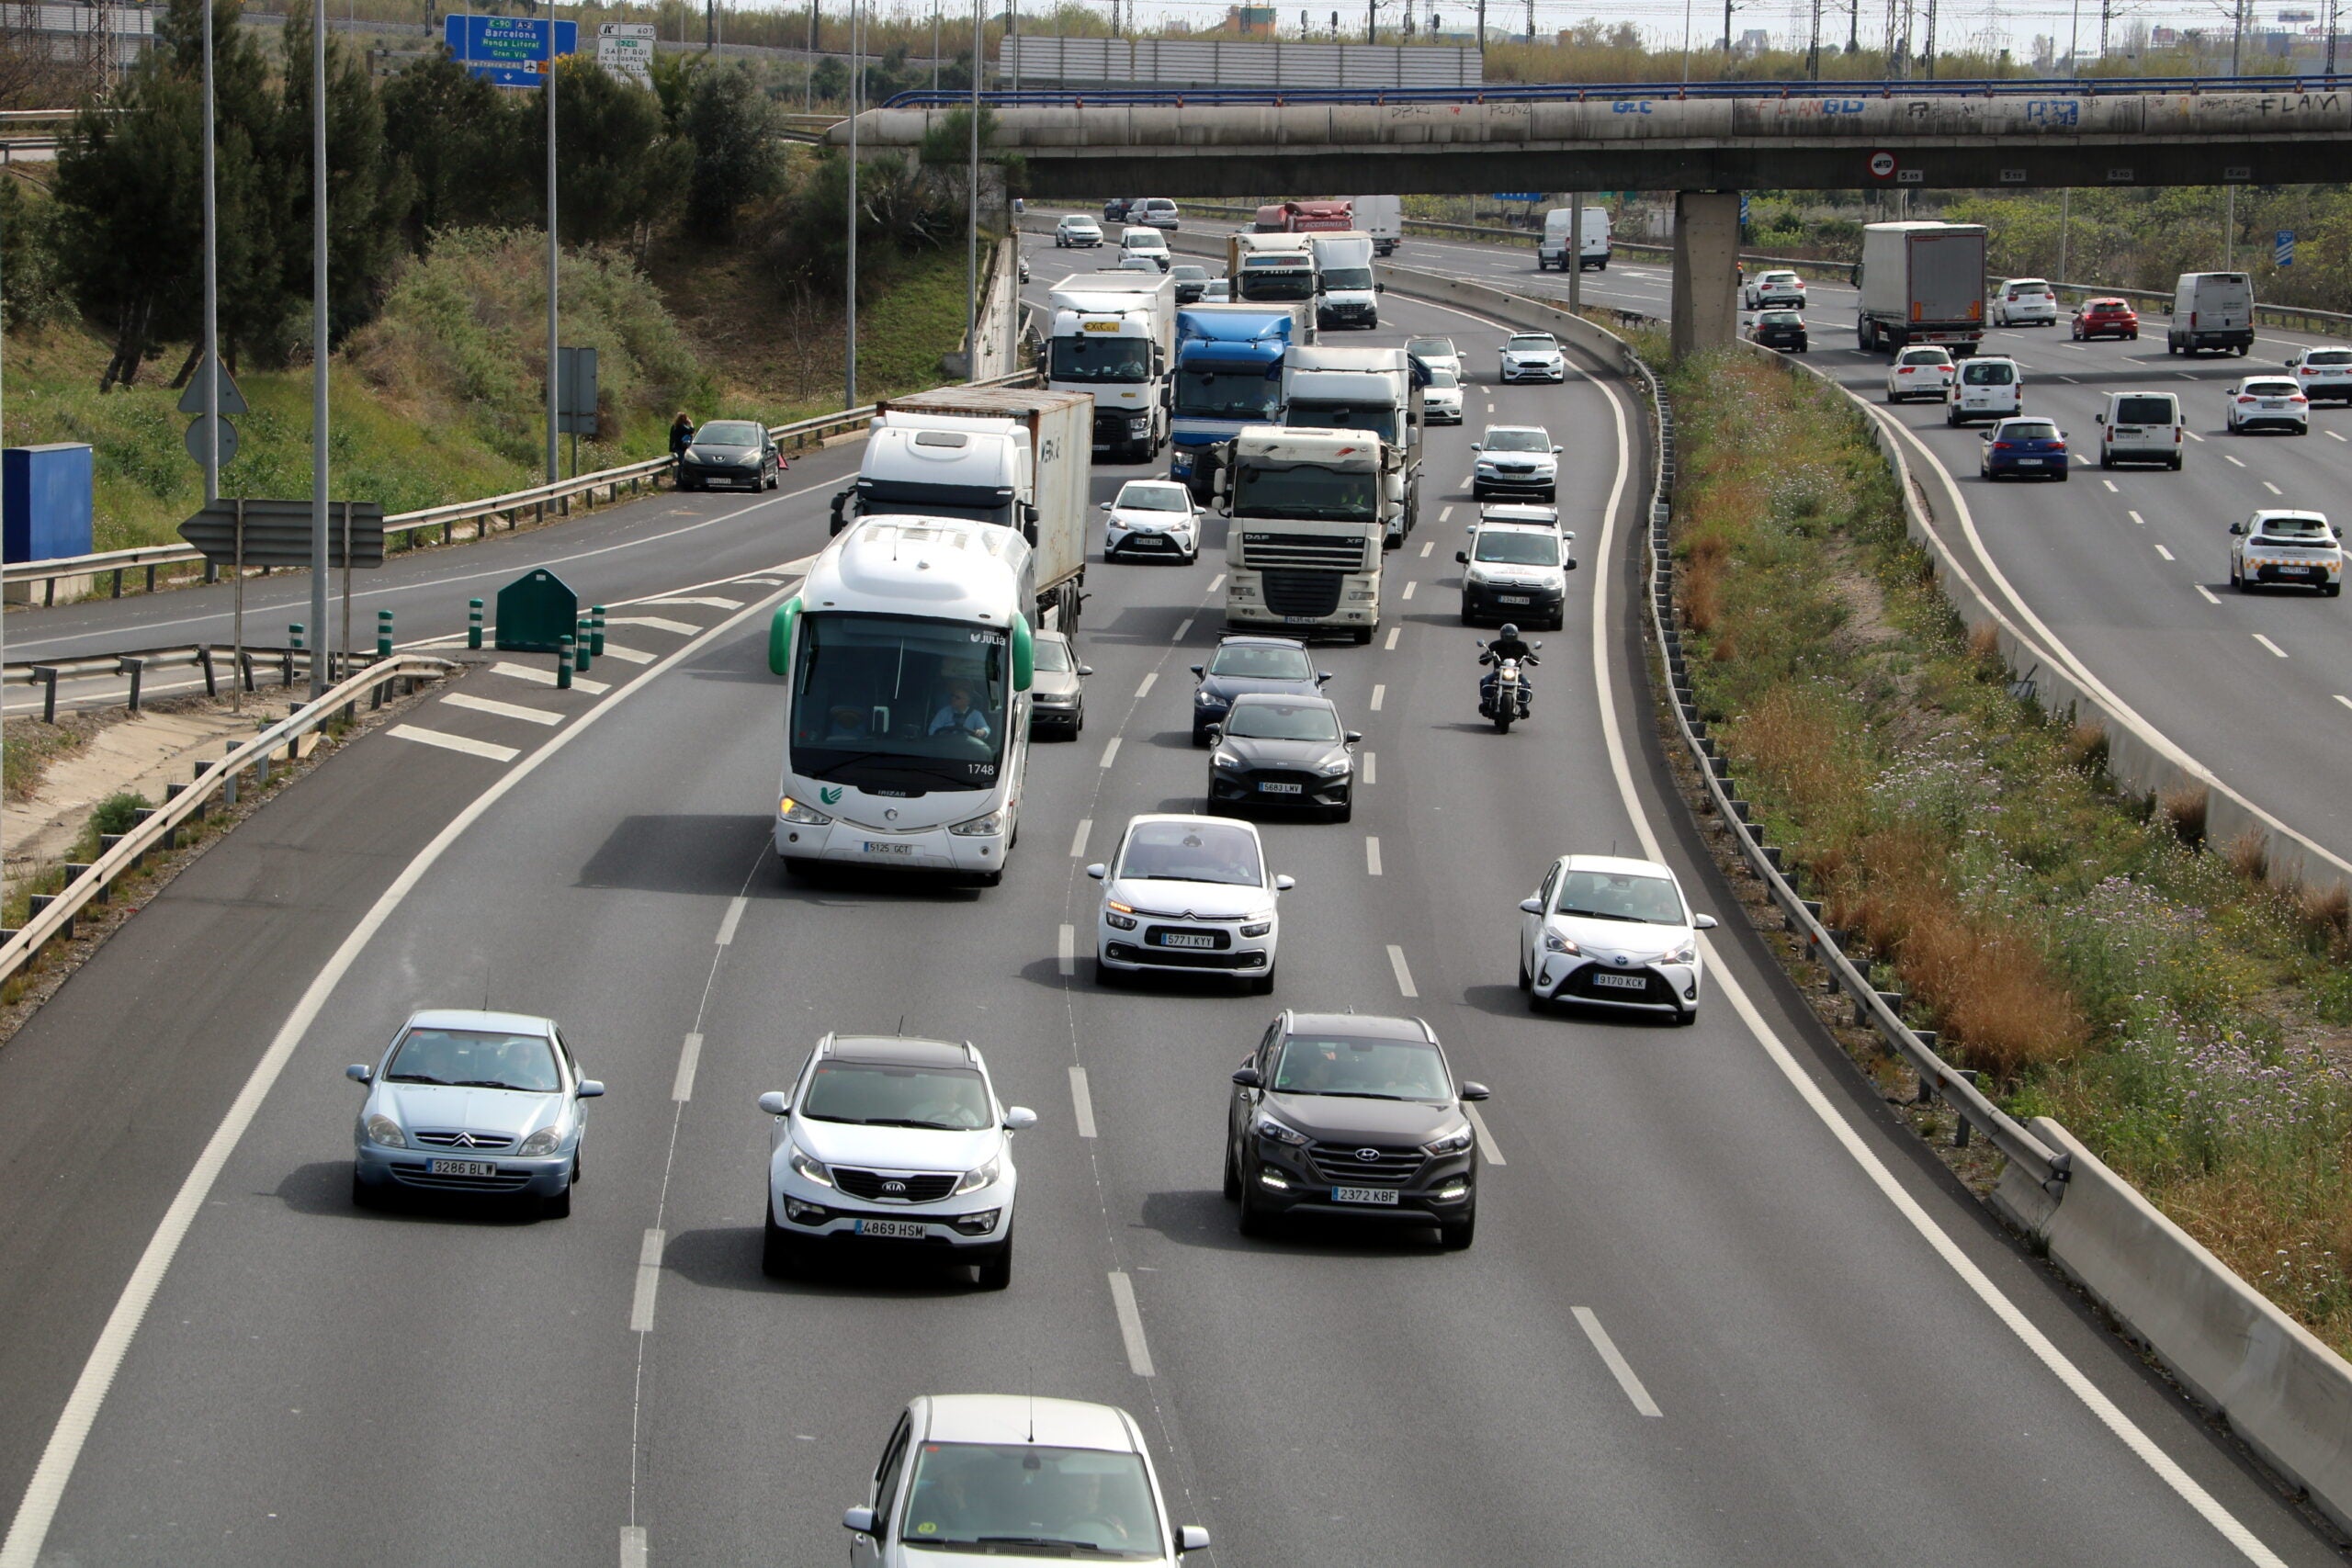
(2106, 318)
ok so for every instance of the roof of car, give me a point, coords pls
(2106, 300)
(1513, 512)
(1239, 639)
(1530, 429)
(1615, 863)
(2272, 513)
(900, 1050)
(477, 1018)
(1376, 1024)
(1516, 525)
(1284, 699)
(1021, 1418)
(1194, 818)
(1042, 635)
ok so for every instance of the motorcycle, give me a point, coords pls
(1504, 696)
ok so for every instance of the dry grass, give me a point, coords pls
(2249, 856)
(2326, 910)
(2086, 747)
(2184, 809)
(1984, 644)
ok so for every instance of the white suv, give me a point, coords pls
(1516, 571)
(1784, 289)
(2025, 302)
(1534, 357)
(2323, 373)
(1188, 895)
(1984, 388)
(1148, 244)
(888, 1140)
(1519, 460)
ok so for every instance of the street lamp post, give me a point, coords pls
(319, 640)
(857, 70)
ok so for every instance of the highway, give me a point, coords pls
(1722, 1308)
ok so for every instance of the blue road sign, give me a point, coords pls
(2283, 250)
(1517, 196)
(511, 51)
(1743, 210)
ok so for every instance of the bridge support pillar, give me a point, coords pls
(1706, 265)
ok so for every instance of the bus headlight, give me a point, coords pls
(791, 810)
(986, 826)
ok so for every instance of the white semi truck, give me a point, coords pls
(1113, 337)
(1346, 293)
(1377, 390)
(1270, 267)
(1922, 282)
(1303, 554)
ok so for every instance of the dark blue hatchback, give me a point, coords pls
(2024, 449)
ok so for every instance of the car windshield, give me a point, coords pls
(474, 1058)
(1188, 272)
(1255, 662)
(2106, 307)
(1030, 1500)
(892, 1094)
(1431, 348)
(1088, 358)
(2329, 356)
(729, 432)
(1151, 497)
(2295, 529)
(1779, 278)
(1530, 342)
(1051, 654)
(1283, 721)
(899, 702)
(2144, 411)
(1192, 851)
(1250, 395)
(1304, 490)
(2269, 388)
(2028, 430)
(1518, 441)
(1304, 414)
(1927, 357)
(1989, 373)
(1621, 895)
(1441, 376)
(1356, 1067)
(1516, 548)
(1347, 277)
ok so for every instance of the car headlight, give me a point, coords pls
(382, 1130)
(1452, 1143)
(1338, 765)
(543, 1141)
(1181, 463)
(791, 810)
(1204, 698)
(1555, 942)
(1683, 954)
(1280, 1133)
(1117, 921)
(981, 1176)
(1225, 760)
(982, 826)
(1259, 924)
(810, 1168)
(1486, 465)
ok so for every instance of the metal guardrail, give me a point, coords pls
(52, 915)
(137, 663)
(481, 514)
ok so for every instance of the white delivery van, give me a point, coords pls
(2211, 310)
(1984, 388)
(1383, 218)
(2140, 427)
(1593, 255)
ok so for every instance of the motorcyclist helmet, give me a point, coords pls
(1508, 630)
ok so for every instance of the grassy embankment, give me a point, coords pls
(2176, 1007)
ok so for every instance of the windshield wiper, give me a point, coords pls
(910, 1121)
(498, 1083)
(1357, 1094)
(1032, 1542)
(416, 1077)
(1605, 915)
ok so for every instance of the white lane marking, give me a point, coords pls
(1065, 949)
(2206, 592)
(2184, 376)
(1408, 590)
(759, 582)
(2137, 518)
(632, 1546)
(1371, 856)
(1487, 1144)
(1427, 546)
(682, 1088)
(1078, 839)
(2272, 487)
(1616, 1363)
(1378, 694)
(2194, 436)
(648, 1280)
(655, 623)
(1217, 583)
(2345, 700)
(708, 601)
(28, 1531)
(734, 917)
(2226, 458)
(1082, 1099)
(454, 743)
(2337, 434)
(626, 655)
(2164, 552)
(1369, 760)
(1444, 515)
(1183, 630)
(1403, 976)
(2182, 1483)
(2271, 645)
(2071, 380)
(1123, 1302)
(1390, 645)
(1111, 751)
(2108, 483)
(539, 677)
(504, 710)
(1143, 687)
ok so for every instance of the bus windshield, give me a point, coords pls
(1250, 395)
(899, 704)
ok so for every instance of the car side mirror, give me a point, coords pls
(1215, 732)
(1462, 558)
(1530, 906)
(1984, 435)
(1284, 883)
(360, 1072)
(1192, 1538)
(1569, 564)
(1085, 669)
(1478, 447)
(775, 1102)
(1249, 1077)
(1322, 676)
(1534, 648)
(1098, 871)
(1555, 451)
(1475, 1091)
(2237, 527)
(859, 1520)
(590, 1088)
(1104, 507)
(2100, 417)
(1353, 736)
(1018, 1119)
(1702, 922)
(1380, 289)
(1196, 670)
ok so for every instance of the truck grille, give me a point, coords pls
(868, 1185)
(1302, 592)
(1322, 552)
(1342, 1164)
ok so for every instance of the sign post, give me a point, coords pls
(626, 49)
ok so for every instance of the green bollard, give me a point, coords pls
(473, 624)
(580, 649)
(596, 631)
(563, 665)
(383, 634)
(294, 636)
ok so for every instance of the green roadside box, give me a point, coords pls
(536, 613)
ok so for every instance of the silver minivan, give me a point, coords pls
(2140, 427)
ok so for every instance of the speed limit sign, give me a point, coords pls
(1883, 164)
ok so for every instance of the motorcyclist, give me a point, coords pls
(1508, 644)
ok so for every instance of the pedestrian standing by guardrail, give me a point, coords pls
(681, 435)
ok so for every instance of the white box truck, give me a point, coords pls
(1112, 336)
(1383, 218)
(2212, 309)
(1011, 456)
(1346, 293)
(1922, 282)
(1592, 254)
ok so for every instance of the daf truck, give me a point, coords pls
(1376, 390)
(1278, 267)
(1303, 554)
(1113, 337)
(1922, 282)
(1228, 374)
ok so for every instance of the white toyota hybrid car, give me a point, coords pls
(1152, 517)
(888, 1141)
(1611, 932)
(1188, 895)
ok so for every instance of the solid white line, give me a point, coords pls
(1378, 693)
(1183, 630)
(1111, 751)
(1082, 1099)
(2164, 552)
(655, 623)
(539, 677)
(28, 1531)
(1217, 583)
(1123, 1302)
(1403, 976)
(1389, 644)
(2206, 592)
(2108, 483)
(648, 1280)
(454, 743)
(708, 601)
(2271, 645)
(682, 1088)
(1616, 1363)
(1371, 856)
(1487, 1144)
(1065, 949)
(504, 710)
(632, 1546)
(626, 655)
(1078, 839)
(2272, 487)
(734, 916)
(1369, 760)
(2137, 518)
(1143, 688)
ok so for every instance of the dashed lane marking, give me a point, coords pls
(1123, 1302)
(539, 677)
(454, 743)
(504, 710)
(1082, 1100)
(733, 918)
(1487, 1144)
(2137, 518)
(1404, 975)
(1065, 949)
(1217, 583)
(2272, 487)
(2164, 552)
(632, 1546)
(1427, 546)
(1184, 631)
(2271, 645)
(1408, 590)
(1143, 688)
(1078, 839)
(1390, 645)
(1378, 694)
(682, 1088)
(2232, 461)
(1616, 1363)
(1371, 856)
(1369, 771)
(1111, 752)
(2206, 592)
(648, 1280)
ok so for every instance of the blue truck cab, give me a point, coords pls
(1228, 375)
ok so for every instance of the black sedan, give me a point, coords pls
(1784, 330)
(1250, 664)
(1192, 279)
(730, 452)
(1282, 752)
(1348, 1114)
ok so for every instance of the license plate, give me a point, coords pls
(2129, 432)
(876, 847)
(890, 1230)
(2029, 462)
(1365, 1195)
(2297, 570)
(2272, 404)
(1281, 788)
(1623, 982)
(1186, 939)
(1512, 599)
(460, 1167)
